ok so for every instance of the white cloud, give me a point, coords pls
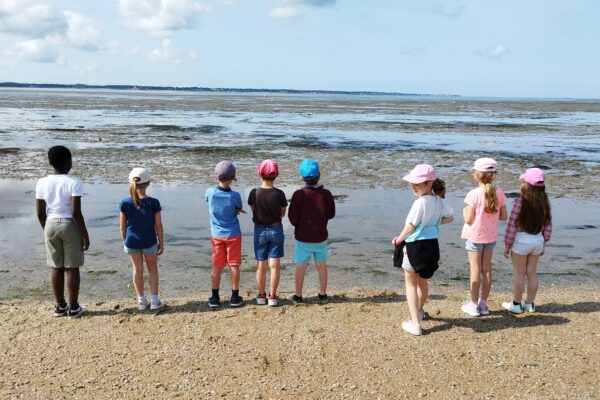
(166, 53)
(495, 52)
(37, 50)
(456, 12)
(82, 32)
(290, 8)
(161, 18)
(193, 55)
(31, 18)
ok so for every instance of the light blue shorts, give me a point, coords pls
(305, 251)
(150, 251)
(478, 247)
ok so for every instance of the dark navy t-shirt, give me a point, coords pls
(141, 232)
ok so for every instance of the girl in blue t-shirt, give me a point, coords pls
(142, 235)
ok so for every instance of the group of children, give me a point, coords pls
(311, 207)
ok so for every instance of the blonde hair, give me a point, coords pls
(491, 199)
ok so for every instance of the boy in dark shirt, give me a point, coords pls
(310, 210)
(268, 206)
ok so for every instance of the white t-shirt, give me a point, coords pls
(56, 191)
(426, 214)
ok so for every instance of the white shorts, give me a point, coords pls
(526, 243)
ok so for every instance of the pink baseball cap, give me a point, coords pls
(421, 173)
(533, 176)
(268, 169)
(485, 165)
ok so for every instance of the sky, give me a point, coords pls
(492, 48)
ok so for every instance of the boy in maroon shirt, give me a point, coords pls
(310, 209)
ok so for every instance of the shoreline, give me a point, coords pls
(352, 347)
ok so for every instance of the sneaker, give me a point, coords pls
(236, 301)
(261, 299)
(157, 305)
(214, 302)
(483, 307)
(512, 307)
(411, 328)
(60, 311)
(530, 308)
(296, 299)
(323, 299)
(76, 313)
(272, 300)
(143, 304)
(470, 308)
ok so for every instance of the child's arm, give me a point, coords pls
(468, 214)
(511, 227)
(78, 218)
(406, 232)
(503, 214)
(159, 232)
(447, 220)
(283, 212)
(123, 225)
(41, 211)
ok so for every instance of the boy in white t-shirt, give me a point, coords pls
(58, 201)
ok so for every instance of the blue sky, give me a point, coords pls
(472, 48)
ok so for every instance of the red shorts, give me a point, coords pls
(226, 251)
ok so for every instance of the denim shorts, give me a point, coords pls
(268, 241)
(470, 246)
(305, 251)
(150, 251)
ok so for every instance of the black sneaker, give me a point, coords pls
(236, 301)
(296, 299)
(214, 302)
(60, 311)
(76, 313)
(323, 299)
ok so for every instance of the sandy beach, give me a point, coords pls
(351, 348)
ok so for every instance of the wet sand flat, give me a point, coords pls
(351, 348)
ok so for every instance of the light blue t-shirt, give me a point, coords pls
(426, 215)
(222, 209)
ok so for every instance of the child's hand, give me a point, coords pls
(241, 211)
(394, 240)
(160, 249)
(506, 253)
(86, 244)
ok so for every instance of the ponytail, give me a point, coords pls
(491, 199)
(134, 194)
(439, 188)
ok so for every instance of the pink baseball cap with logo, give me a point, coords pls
(533, 176)
(268, 169)
(421, 173)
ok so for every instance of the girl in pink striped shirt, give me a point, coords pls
(529, 228)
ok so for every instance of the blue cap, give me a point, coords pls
(309, 169)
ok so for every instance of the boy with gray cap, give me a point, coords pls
(224, 205)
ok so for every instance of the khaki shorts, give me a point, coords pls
(64, 244)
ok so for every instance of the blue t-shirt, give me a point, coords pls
(222, 208)
(141, 232)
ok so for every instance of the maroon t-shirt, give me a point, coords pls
(310, 209)
(267, 205)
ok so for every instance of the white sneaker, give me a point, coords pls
(142, 304)
(512, 307)
(261, 299)
(411, 328)
(530, 308)
(272, 300)
(470, 308)
(483, 307)
(158, 305)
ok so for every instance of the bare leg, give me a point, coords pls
(275, 265)
(412, 297)
(261, 276)
(137, 261)
(532, 278)
(73, 281)
(519, 268)
(152, 265)
(322, 270)
(475, 263)
(215, 277)
(486, 273)
(422, 292)
(58, 284)
(300, 273)
(234, 270)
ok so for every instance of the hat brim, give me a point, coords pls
(414, 179)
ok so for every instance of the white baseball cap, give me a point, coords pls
(141, 174)
(485, 165)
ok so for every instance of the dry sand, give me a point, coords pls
(352, 347)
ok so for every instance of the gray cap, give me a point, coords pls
(225, 171)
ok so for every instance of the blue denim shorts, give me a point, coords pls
(268, 241)
(470, 246)
(305, 251)
(147, 252)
